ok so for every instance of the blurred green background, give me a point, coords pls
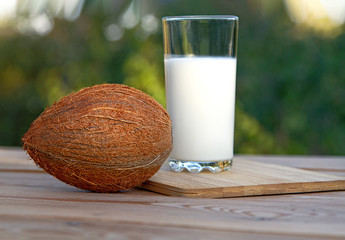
(291, 63)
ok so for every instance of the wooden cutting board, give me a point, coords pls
(247, 178)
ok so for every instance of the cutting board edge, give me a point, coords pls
(247, 191)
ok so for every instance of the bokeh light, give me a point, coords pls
(290, 82)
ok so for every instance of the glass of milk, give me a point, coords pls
(200, 79)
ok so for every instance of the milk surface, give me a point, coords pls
(201, 103)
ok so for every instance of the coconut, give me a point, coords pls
(103, 138)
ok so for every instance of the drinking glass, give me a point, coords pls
(200, 56)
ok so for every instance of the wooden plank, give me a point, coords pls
(277, 215)
(42, 186)
(15, 159)
(247, 178)
(35, 205)
(335, 164)
(41, 228)
(42, 198)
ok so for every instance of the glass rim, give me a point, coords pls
(200, 17)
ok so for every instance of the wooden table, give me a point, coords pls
(34, 205)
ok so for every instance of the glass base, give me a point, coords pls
(196, 167)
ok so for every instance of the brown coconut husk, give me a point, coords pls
(103, 138)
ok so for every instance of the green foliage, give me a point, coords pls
(144, 71)
(293, 85)
(290, 83)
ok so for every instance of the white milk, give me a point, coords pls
(201, 103)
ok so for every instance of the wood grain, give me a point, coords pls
(247, 178)
(41, 228)
(334, 165)
(34, 205)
